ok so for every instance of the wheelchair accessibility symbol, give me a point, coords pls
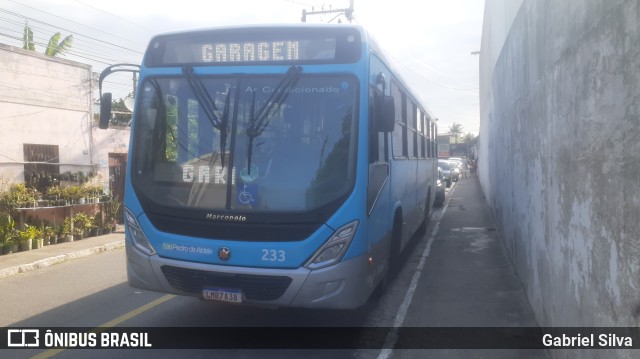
(248, 195)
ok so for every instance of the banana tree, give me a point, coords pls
(57, 47)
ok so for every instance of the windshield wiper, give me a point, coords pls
(209, 108)
(260, 121)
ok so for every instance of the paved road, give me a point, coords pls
(456, 275)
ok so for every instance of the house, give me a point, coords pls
(49, 134)
(449, 147)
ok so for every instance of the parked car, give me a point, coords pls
(439, 200)
(446, 172)
(456, 170)
(462, 165)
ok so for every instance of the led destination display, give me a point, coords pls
(257, 47)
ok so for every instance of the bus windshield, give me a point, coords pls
(245, 143)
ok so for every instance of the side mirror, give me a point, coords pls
(385, 114)
(105, 110)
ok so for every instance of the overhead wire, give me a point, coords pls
(84, 46)
(91, 53)
(89, 44)
(116, 16)
(422, 76)
(75, 33)
(72, 21)
(424, 64)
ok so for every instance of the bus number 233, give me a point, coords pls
(272, 255)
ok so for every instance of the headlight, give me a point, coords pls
(137, 236)
(333, 249)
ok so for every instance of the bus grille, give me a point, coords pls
(254, 287)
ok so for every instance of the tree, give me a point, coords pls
(55, 46)
(121, 114)
(469, 138)
(455, 130)
(27, 38)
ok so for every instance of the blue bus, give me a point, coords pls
(282, 166)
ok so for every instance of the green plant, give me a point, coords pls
(48, 231)
(97, 222)
(7, 230)
(28, 233)
(111, 209)
(58, 230)
(94, 190)
(66, 226)
(19, 195)
(54, 193)
(83, 221)
(73, 193)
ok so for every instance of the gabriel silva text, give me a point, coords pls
(604, 341)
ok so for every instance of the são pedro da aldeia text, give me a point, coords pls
(587, 341)
(97, 340)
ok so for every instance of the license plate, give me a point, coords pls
(222, 295)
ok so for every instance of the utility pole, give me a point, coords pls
(348, 12)
(135, 83)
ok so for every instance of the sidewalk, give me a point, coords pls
(21, 262)
(469, 282)
(476, 284)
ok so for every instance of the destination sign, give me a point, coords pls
(256, 51)
(255, 46)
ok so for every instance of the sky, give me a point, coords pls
(431, 41)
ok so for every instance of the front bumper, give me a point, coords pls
(345, 285)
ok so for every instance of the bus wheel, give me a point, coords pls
(393, 259)
(427, 210)
(394, 246)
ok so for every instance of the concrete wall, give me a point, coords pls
(560, 154)
(45, 100)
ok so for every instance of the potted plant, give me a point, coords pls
(94, 192)
(26, 236)
(77, 234)
(111, 210)
(55, 195)
(60, 235)
(78, 227)
(49, 234)
(82, 224)
(7, 243)
(38, 237)
(74, 194)
(66, 230)
(6, 233)
(96, 230)
(20, 196)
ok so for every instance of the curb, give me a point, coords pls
(23, 268)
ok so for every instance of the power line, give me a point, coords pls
(41, 29)
(439, 72)
(69, 20)
(70, 31)
(397, 61)
(92, 54)
(116, 16)
(44, 43)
